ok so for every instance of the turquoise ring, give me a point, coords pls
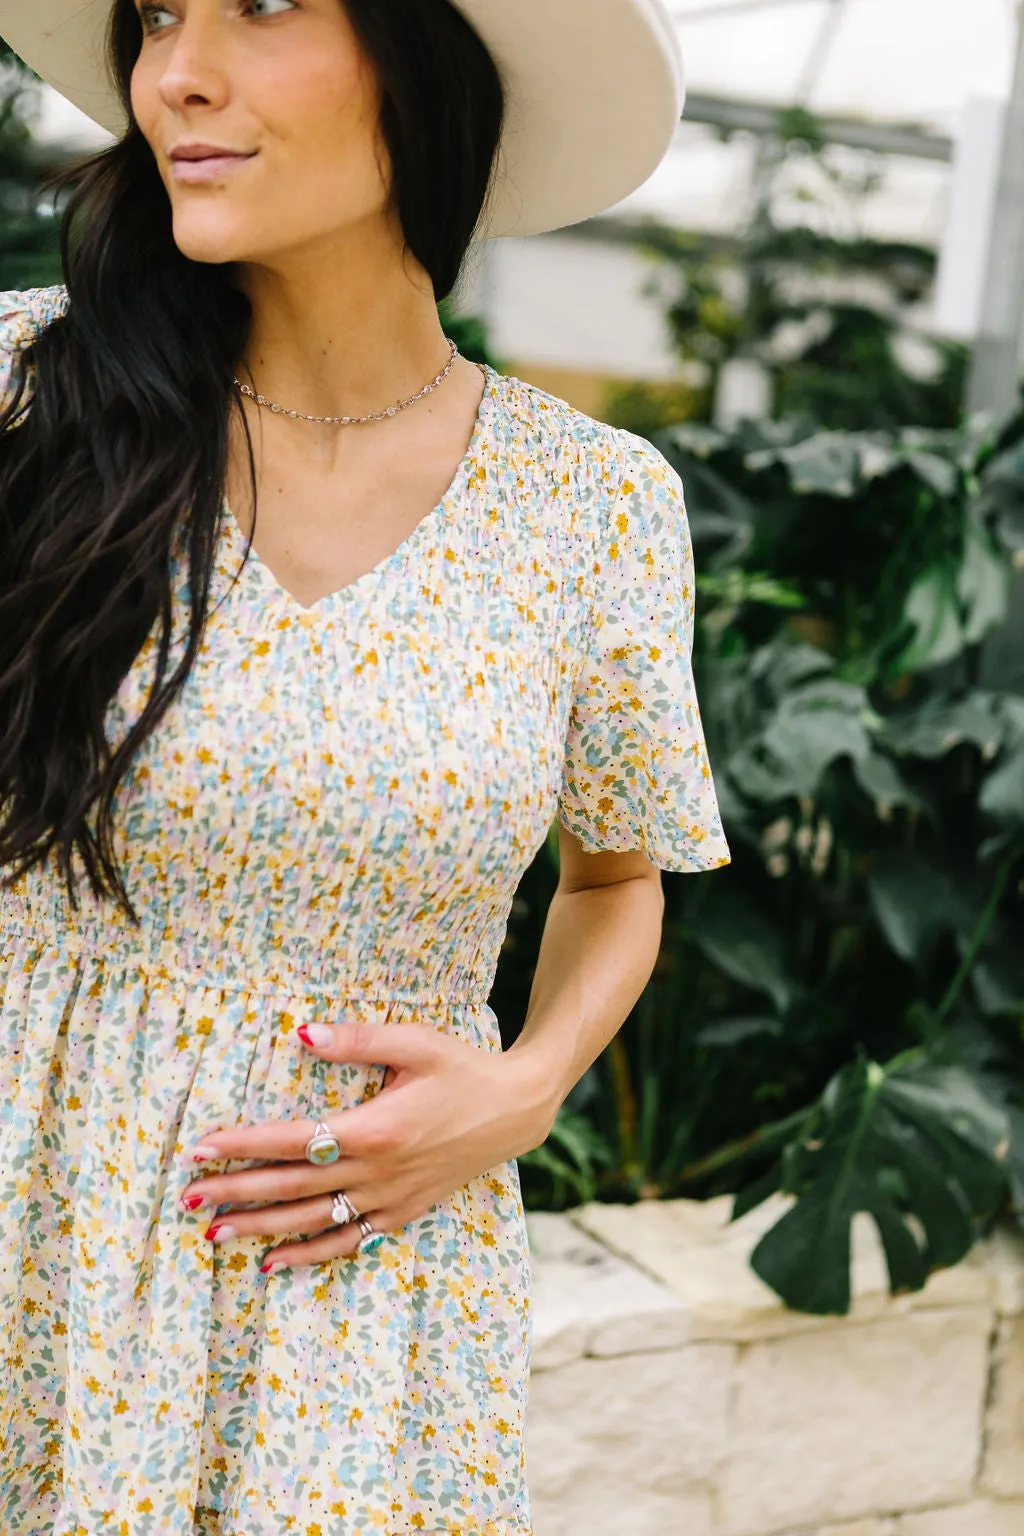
(370, 1239)
(323, 1146)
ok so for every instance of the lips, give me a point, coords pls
(199, 151)
(207, 168)
(210, 154)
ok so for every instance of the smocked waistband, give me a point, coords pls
(197, 951)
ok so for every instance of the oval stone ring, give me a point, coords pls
(323, 1146)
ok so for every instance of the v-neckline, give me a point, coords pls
(435, 518)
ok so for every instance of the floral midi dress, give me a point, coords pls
(329, 825)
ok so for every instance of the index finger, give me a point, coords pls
(280, 1140)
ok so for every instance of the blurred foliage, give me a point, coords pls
(646, 408)
(824, 309)
(29, 252)
(468, 332)
(839, 1014)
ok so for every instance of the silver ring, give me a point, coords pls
(371, 1239)
(323, 1146)
(343, 1210)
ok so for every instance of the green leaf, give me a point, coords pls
(933, 612)
(947, 1100)
(730, 1032)
(812, 726)
(749, 949)
(755, 778)
(829, 464)
(736, 587)
(805, 1258)
(575, 1134)
(940, 475)
(914, 902)
(756, 1193)
(696, 438)
(884, 786)
(1002, 794)
(825, 693)
(939, 1206)
(1015, 1159)
(920, 1147)
(801, 747)
(567, 1183)
(570, 1156)
(905, 1261)
(998, 978)
(1010, 710)
(938, 726)
(782, 665)
(983, 583)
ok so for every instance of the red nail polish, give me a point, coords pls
(213, 1229)
(193, 1202)
(266, 1268)
(303, 1034)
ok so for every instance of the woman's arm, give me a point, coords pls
(597, 953)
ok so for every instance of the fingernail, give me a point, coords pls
(316, 1035)
(193, 1202)
(268, 1269)
(203, 1153)
(221, 1231)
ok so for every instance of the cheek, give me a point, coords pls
(144, 99)
(329, 140)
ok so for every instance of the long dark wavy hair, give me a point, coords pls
(120, 460)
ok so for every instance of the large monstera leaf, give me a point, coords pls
(918, 1146)
(811, 726)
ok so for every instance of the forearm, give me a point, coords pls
(598, 950)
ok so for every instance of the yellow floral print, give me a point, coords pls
(330, 824)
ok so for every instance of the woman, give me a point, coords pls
(268, 784)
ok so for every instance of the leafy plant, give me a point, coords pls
(467, 331)
(838, 1015)
(29, 254)
(826, 310)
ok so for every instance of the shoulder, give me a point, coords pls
(559, 439)
(24, 314)
(564, 445)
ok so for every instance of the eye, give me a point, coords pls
(148, 11)
(146, 15)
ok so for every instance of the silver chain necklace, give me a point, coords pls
(346, 421)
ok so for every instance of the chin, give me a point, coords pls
(211, 239)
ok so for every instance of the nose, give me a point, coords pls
(196, 68)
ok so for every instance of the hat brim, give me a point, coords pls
(595, 90)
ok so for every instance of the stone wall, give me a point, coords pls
(673, 1395)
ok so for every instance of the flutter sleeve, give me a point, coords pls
(24, 312)
(636, 775)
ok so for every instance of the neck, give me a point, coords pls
(341, 331)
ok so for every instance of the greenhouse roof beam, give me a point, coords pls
(824, 43)
(883, 138)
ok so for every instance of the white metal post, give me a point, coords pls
(994, 384)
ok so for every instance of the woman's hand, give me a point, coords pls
(448, 1111)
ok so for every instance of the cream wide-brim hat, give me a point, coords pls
(595, 90)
